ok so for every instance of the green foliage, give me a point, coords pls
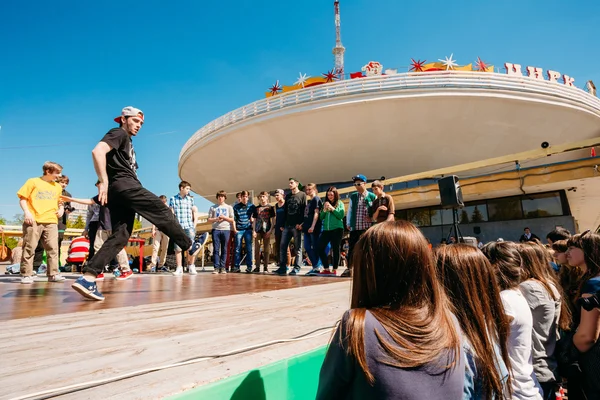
(79, 223)
(137, 224)
(18, 219)
(3, 221)
(464, 217)
(477, 215)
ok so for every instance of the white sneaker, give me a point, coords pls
(178, 271)
(216, 271)
(192, 270)
(27, 280)
(56, 278)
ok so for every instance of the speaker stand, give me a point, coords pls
(457, 233)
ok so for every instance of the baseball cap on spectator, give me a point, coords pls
(130, 111)
(359, 177)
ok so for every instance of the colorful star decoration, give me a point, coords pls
(417, 66)
(481, 66)
(449, 62)
(275, 88)
(301, 80)
(330, 76)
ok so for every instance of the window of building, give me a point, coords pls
(419, 216)
(504, 209)
(542, 205)
(473, 213)
(441, 216)
(401, 214)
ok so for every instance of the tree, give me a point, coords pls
(78, 224)
(18, 219)
(2, 220)
(464, 217)
(477, 215)
(137, 224)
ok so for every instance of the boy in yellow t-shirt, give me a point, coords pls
(40, 200)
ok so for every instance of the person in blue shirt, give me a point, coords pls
(243, 221)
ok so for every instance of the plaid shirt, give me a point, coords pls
(363, 222)
(182, 206)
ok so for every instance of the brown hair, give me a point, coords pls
(263, 193)
(473, 291)
(507, 262)
(50, 166)
(221, 193)
(536, 266)
(183, 184)
(560, 246)
(63, 179)
(590, 244)
(336, 196)
(394, 278)
(244, 193)
(377, 184)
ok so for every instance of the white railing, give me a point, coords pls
(411, 81)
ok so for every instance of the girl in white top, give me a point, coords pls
(507, 262)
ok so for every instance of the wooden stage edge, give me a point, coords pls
(63, 349)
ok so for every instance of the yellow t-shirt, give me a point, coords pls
(42, 199)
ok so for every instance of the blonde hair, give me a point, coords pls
(50, 166)
(377, 184)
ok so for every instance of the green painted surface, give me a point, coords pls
(293, 378)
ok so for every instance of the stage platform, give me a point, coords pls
(53, 338)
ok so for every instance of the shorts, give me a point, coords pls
(191, 232)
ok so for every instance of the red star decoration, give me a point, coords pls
(275, 88)
(481, 66)
(417, 66)
(330, 76)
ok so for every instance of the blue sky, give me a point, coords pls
(68, 67)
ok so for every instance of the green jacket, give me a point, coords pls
(333, 219)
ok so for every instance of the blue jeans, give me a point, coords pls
(247, 236)
(220, 241)
(311, 245)
(286, 237)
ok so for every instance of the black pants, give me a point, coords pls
(335, 237)
(123, 205)
(354, 236)
(92, 229)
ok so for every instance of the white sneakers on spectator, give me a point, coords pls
(27, 280)
(178, 271)
(192, 270)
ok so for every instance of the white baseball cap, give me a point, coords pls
(130, 111)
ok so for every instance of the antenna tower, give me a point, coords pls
(339, 49)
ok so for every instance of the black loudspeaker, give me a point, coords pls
(450, 192)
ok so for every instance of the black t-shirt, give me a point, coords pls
(262, 218)
(104, 223)
(62, 222)
(121, 165)
(294, 208)
(309, 213)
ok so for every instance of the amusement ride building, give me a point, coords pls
(521, 140)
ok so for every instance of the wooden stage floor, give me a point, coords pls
(52, 338)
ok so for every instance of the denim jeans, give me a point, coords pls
(311, 245)
(247, 236)
(220, 242)
(286, 237)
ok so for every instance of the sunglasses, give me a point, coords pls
(359, 183)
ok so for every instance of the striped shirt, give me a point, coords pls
(242, 214)
(182, 207)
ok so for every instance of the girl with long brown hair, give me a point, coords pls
(474, 294)
(332, 215)
(399, 340)
(549, 312)
(584, 252)
(508, 265)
